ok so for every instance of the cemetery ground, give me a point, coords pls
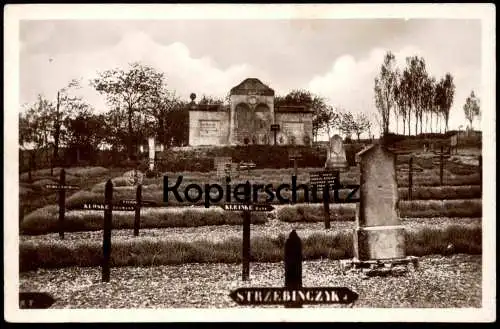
(189, 256)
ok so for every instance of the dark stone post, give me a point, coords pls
(441, 165)
(106, 243)
(246, 245)
(481, 172)
(293, 266)
(410, 179)
(336, 197)
(246, 236)
(62, 202)
(326, 204)
(138, 201)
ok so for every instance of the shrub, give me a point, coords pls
(147, 251)
(441, 192)
(441, 208)
(315, 213)
(45, 220)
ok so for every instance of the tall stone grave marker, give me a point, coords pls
(336, 158)
(378, 233)
(152, 149)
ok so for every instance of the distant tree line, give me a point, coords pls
(414, 94)
(327, 118)
(141, 105)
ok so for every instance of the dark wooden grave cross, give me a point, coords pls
(325, 179)
(247, 208)
(108, 207)
(293, 294)
(62, 187)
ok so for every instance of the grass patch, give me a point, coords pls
(147, 251)
(71, 173)
(45, 220)
(315, 213)
(438, 208)
(432, 179)
(407, 209)
(442, 192)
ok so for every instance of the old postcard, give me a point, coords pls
(249, 163)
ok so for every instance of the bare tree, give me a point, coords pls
(471, 108)
(447, 92)
(415, 75)
(360, 124)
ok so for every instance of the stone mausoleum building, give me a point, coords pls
(248, 119)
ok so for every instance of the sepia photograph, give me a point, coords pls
(249, 163)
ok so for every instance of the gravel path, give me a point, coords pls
(439, 282)
(221, 232)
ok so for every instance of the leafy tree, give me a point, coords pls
(347, 124)
(415, 74)
(445, 91)
(132, 90)
(430, 90)
(385, 84)
(332, 119)
(162, 104)
(402, 98)
(322, 116)
(35, 125)
(65, 106)
(86, 131)
(360, 124)
(447, 100)
(471, 108)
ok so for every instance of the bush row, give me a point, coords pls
(45, 220)
(154, 193)
(151, 251)
(407, 209)
(264, 156)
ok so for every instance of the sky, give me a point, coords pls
(335, 58)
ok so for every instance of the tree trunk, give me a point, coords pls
(129, 137)
(416, 122)
(421, 121)
(397, 124)
(431, 120)
(409, 121)
(57, 130)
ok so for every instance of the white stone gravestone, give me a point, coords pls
(378, 233)
(151, 142)
(336, 157)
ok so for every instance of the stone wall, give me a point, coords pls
(284, 119)
(201, 128)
